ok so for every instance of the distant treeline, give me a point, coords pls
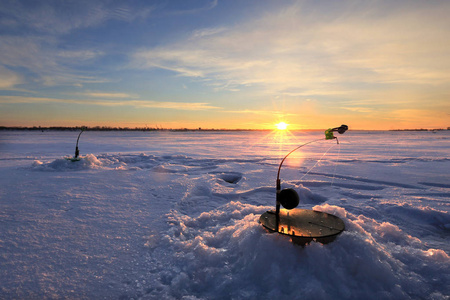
(108, 128)
(421, 129)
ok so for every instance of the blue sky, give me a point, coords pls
(225, 64)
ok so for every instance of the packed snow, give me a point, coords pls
(174, 215)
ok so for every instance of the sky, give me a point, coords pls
(225, 64)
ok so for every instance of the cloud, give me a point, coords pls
(260, 112)
(171, 105)
(8, 79)
(316, 50)
(45, 63)
(106, 95)
(33, 32)
(204, 32)
(80, 55)
(27, 52)
(192, 106)
(207, 6)
(55, 17)
(358, 109)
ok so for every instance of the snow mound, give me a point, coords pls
(89, 161)
(179, 164)
(226, 254)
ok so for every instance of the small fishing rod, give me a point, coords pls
(77, 152)
(289, 197)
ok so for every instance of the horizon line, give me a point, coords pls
(110, 128)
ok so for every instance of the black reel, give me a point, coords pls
(288, 198)
(342, 129)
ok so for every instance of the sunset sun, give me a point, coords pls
(281, 126)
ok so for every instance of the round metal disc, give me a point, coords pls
(304, 225)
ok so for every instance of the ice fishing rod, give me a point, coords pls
(289, 198)
(77, 152)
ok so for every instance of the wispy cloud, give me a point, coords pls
(45, 63)
(8, 78)
(260, 112)
(316, 50)
(204, 32)
(106, 95)
(46, 18)
(82, 55)
(31, 37)
(358, 109)
(192, 106)
(206, 6)
(171, 105)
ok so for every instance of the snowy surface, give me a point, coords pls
(167, 215)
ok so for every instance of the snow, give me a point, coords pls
(171, 215)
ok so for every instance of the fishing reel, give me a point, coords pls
(288, 198)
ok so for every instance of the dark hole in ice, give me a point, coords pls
(231, 177)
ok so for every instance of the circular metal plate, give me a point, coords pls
(304, 225)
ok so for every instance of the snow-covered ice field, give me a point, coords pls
(167, 215)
